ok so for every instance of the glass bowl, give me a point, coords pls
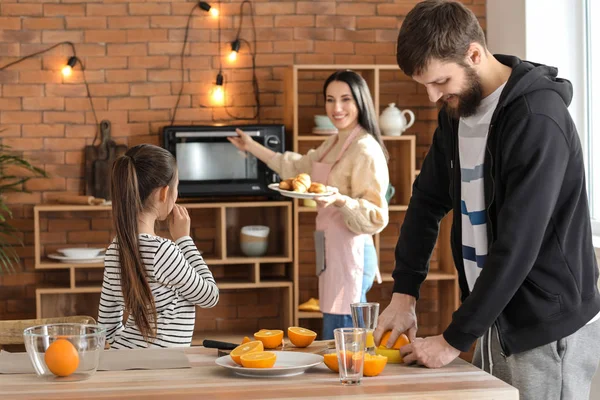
(87, 341)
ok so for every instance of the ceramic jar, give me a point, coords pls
(393, 122)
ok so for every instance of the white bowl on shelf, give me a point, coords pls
(81, 252)
(254, 240)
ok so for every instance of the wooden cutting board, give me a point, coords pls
(317, 347)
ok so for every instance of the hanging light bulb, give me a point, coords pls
(218, 95)
(68, 69)
(208, 8)
(235, 48)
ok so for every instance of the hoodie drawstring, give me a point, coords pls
(489, 343)
(487, 337)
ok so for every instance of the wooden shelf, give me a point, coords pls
(299, 114)
(309, 314)
(217, 232)
(317, 138)
(432, 276)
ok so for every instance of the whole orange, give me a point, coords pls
(61, 357)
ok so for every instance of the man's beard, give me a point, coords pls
(468, 100)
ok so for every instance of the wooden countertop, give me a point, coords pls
(459, 380)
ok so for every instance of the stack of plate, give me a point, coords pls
(324, 131)
(79, 255)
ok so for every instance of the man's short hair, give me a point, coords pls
(436, 29)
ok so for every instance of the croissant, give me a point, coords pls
(316, 187)
(286, 184)
(301, 183)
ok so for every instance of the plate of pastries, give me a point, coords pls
(301, 187)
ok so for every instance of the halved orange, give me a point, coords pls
(246, 348)
(374, 365)
(401, 341)
(262, 359)
(271, 338)
(331, 361)
(301, 337)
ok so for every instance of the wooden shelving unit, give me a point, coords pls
(303, 99)
(215, 229)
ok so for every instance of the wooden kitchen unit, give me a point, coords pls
(256, 292)
(303, 100)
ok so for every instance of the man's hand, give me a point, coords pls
(432, 352)
(398, 317)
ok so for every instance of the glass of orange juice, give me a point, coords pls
(364, 315)
(350, 349)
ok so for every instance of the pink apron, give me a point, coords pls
(340, 284)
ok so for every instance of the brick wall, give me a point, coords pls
(130, 49)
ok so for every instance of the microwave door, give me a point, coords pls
(215, 161)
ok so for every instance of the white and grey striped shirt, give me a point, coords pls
(179, 279)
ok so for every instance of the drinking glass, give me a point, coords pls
(364, 315)
(350, 350)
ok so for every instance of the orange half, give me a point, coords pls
(331, 361)
(271, 338)
(262, 359)
(401, 341)
(301, 337)
(246, 348)
(374, 365)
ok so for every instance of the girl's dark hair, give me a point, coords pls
(135, 176)
(367, 118)
(436, 29)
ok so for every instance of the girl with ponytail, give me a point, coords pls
(158, 282)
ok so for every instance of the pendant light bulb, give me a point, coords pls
(68, 69)
(218, 94)
(209, 9)
(235, 48)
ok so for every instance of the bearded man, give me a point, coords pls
(507, 159)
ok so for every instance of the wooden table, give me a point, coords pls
(459, 380)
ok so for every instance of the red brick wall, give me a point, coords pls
(130, 49)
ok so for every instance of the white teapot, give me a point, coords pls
(393, 122)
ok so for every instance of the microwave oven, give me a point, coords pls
(209, 165)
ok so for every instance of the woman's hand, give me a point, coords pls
(337, 199)
(243, 141)
(179, 222)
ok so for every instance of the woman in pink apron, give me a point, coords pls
(355, 162)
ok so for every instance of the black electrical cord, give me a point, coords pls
(87, 86)
(185, 40)
(252, 50)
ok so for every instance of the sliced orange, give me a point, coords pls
(246, 339)
(262, 359)
(246, 348)
(374, 365)
(401, 341)
(392, 355)
(271, 338)
(331, 361)
(301, 337)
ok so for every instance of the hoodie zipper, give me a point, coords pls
(489, 217)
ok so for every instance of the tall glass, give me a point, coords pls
(350, 350)
(364, 315)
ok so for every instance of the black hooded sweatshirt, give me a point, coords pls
(539, 280)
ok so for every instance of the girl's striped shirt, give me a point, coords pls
(179, 279)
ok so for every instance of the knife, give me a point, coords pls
(215, 344)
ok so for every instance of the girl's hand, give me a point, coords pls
(243, 141)
(337, 199)
(179, 222)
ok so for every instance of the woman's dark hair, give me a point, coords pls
(436, 29)
(367, 118)
(135, 176)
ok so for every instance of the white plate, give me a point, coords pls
(66, 259)
(289, 363)
(80, 252)
(288, 193)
